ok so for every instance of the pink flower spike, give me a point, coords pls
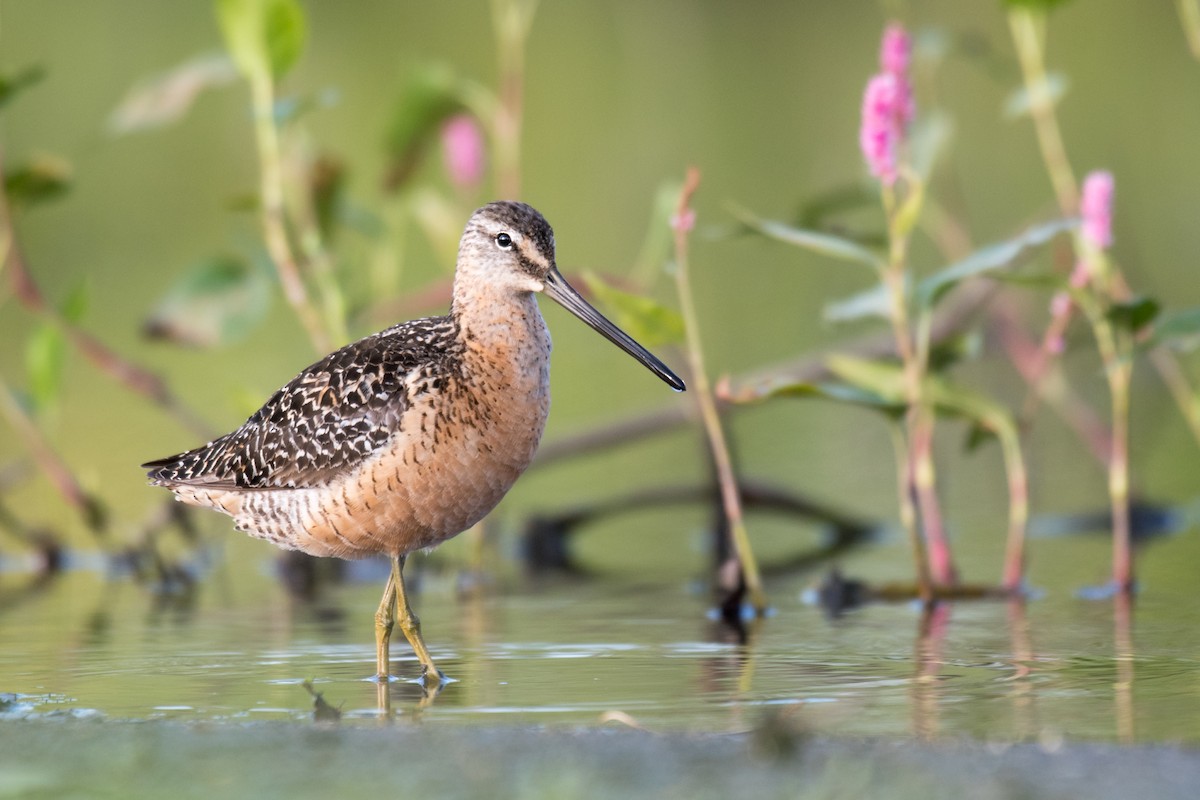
(1096, 208)
(463, 150)
(683, 222)
(896, 50)
(881, 131)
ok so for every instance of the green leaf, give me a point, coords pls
(264, 37)
(788, 386)
(286, 30)
(1020, 102)
(214, 303)
(816, 241)
(954, 350)
(1134, 314)
(987, 259)
(41, 179)
(45, 354)
(1180, 329)
(163, 99)
(13, 85)
(432, 95)
(874, 302)
(646, 320)
(886, 379)
(838, 392)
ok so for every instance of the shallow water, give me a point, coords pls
(578, 651)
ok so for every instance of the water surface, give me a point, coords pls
(574, 651)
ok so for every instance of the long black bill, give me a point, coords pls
(561, 292)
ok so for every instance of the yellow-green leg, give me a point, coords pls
(395, 599)
(385, 617)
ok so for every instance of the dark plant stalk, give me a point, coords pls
(730, 496)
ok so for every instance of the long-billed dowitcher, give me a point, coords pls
(404, 439)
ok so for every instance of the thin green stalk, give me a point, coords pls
(312, 246)
(1018, 508)
(274, 214)
(1029, 31)
(1118, 476)
(920, 418)
(1118, 368)
(730, 496)
(513, 20)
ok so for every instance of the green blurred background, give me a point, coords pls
(620, 96)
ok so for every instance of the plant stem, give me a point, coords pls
(1028, 31)
(730, 496)
(1118, 368)
(513, 20)
(1018, 509)
(908, 511)
(1118, 475)
(49, 462)
(274, 214)
(920, 416)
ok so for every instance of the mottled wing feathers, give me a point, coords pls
(327, 419)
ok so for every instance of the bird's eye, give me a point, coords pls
(504, 241)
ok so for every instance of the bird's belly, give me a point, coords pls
(442, 472)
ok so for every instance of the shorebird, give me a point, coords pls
(408, 437)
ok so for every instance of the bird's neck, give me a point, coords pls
(498, 321)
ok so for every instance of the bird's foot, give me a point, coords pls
(435, 681)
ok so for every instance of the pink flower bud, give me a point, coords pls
(888, 105)
(882, 132)
(896, 50)
(683, 223)
(463, 150)
(1096, 208)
